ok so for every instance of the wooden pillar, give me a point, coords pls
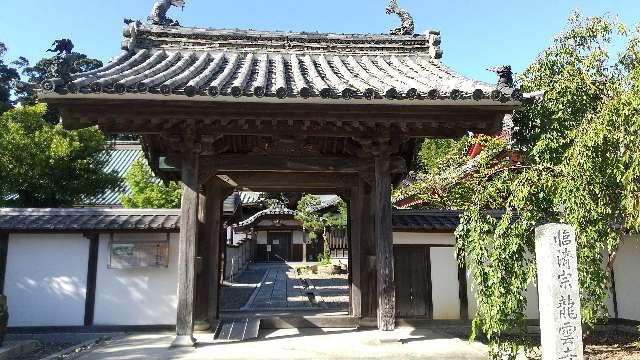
(202, 267)
(214, 212)
(92, 272)
(4, 248)
(384, 245)
(187, 250)
(368, 277)
(355, 213)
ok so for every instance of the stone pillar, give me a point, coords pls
(187, 250)
(384, 245)
(559, 293)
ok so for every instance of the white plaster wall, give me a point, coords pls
(46, 278)
(144, 296)
(407, 238)
(627, 274)
(444, 282)
(297, 237)
(262, 238)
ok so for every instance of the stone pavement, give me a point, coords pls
(237, 293)
(403, 343)
(279, 291)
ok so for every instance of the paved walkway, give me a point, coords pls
(404, 343)
(279, 291)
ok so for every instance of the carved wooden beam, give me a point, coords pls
(297, 182)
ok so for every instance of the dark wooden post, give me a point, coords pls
(4, 248)
(214, 211)
(187, 249)
(368, 277)
(384, 245)
(355, 213)
(92, 273)
(202, 266)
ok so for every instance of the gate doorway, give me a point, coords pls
(278, 246)
(413, 286)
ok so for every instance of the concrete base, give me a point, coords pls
(183, 341)
(283, 344)
(201, 325)
(14, 349)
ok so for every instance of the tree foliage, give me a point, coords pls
(149, 192)
(581, 146)
(43, 165)
(9, 75)
(16, 90)
(316, 221)
(450, 181)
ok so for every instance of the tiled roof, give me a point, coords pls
(326, 201)
(272, 66)
(430, 219)
(250, 197)
(89, 219)
(275, 210)
(121, 159)
(92, 219)
(425, 220)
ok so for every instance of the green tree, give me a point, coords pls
(448, 177)
(149, 192)
(316, 222)
(9, 75)
(581, 146)
(43, 165)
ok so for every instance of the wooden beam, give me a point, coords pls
(384, 246)
(287, 164)
(355, 213)
(4, 248)
(186, 250)
(92, 273)
(144, 117)
(260, 180)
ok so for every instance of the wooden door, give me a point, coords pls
(413, 282)
(280, 245)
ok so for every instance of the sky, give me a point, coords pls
(476, 34)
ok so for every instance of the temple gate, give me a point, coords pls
(272, 111)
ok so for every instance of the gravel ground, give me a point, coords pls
(46, 349)
(614, 345)
(333, 290)
(66, 349)
(602, 345)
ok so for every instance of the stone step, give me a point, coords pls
(237, 329)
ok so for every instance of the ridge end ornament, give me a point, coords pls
(159, 11)
(407, 25)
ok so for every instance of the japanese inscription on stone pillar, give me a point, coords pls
(558, 289)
